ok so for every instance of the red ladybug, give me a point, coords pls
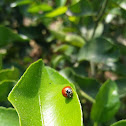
(67, 92)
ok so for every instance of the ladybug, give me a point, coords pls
(67, 92)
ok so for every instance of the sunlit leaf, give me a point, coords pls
(39, 93)
(57, 12)
(89, 85)
(35, 8)
(20, 2)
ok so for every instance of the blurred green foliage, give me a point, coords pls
(83, 39)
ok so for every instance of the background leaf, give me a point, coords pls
(57, 12)
(82, 8)
(20, 3)
(36, 8)
(72, 39)
(9, 74)
(120, 123)
(7, 36)
(5, 88)
(8, 117)
(60, 2)
(98, 51)
(121, 83)
(107, 102)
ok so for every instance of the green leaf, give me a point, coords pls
(123, 5)
(107, 102)
(72, 39)
(89, 85)
(121, 83)
(8, 117)
(60, 2)
(99, 50)
(20, 2)
(9, 74)
(57, 12)
(120, 123)
(72, 73)
(56, 60)
(120, 3)
(74, 1)
(82, 8)
(38, 98)
(96, 4)
(90, 29)
(116, 67)
(35, 8)
(5, 88)
(63, 48)
(7, 36)
(75, 40)
(68, 73)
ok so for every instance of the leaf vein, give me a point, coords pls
(41, 109)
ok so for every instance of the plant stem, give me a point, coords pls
(87, 96)
(92, 64)
(101, 12)
(0, 61)
(100, 15)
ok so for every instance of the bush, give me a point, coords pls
(84, 41)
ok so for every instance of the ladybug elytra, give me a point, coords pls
(67, 92)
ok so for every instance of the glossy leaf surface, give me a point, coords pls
(107, 102)
(39, 93)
